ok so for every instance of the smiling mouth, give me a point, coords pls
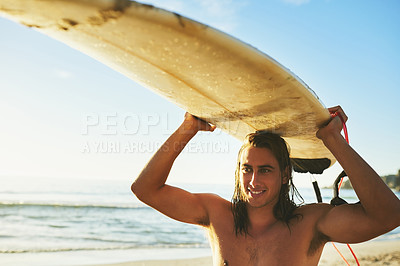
(256, 192)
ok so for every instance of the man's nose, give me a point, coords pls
(254, 179)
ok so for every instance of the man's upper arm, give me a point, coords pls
(181, 205)
(348, 223)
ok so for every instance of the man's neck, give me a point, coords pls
(261, 219)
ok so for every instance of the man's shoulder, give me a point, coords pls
(212, 199)
(314, 210)
(215, 204)
(311, 215)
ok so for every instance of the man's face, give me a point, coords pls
(260, 177)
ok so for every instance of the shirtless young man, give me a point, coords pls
(262, 225)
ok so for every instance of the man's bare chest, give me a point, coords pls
(275, 246)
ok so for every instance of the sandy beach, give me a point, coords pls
(368, 253)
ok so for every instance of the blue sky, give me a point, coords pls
(58, 106)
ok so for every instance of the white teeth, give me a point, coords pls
(255, 192)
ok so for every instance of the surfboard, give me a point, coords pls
(212, 75)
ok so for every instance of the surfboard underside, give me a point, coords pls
(202, 70)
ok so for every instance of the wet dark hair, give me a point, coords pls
(285, 207)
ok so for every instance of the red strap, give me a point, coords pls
(346, 135)
(341, 181)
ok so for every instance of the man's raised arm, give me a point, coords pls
(379, 211)
(150, 186)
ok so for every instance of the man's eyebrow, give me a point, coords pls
(266, 166)
(260, 166)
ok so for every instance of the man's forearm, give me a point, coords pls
(155, 174)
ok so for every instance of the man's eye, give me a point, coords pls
(264, 171)
(246, 170)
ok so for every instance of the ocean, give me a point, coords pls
(48, 221)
